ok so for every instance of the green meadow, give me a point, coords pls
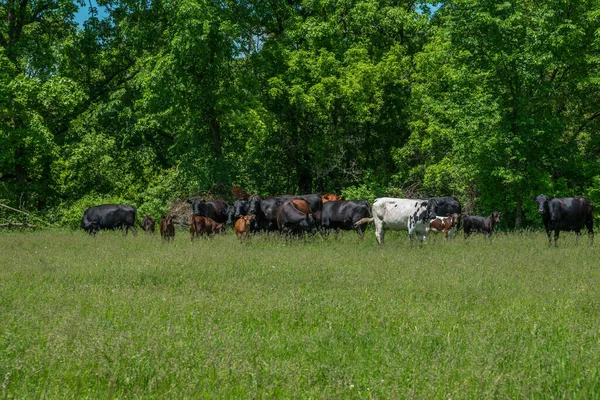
(132, 317)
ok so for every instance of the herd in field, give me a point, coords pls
(310, 213)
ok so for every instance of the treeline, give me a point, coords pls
(489, 101)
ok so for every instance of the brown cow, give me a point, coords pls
(242, 225)
(447, 225)
(147, 224)
(330, 197)
(167, 228)
(197, 226)
(200, 225)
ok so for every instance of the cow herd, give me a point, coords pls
(296, 215)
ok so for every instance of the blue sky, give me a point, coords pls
(84, 11)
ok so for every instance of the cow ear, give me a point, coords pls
(532, 198)
(550, 197)
(424, 204)
(189, 201)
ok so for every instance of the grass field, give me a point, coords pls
(116, 316)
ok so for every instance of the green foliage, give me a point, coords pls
(484, 101)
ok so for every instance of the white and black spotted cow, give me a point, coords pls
(400, 214)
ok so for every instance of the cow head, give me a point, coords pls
(542, 203)
(496, 216)
(198, 206)
(240, 208)
(253, 205)
(230, 212)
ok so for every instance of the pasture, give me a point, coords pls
(116, 316)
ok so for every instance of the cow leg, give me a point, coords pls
(549, 233)
(556, 232)
(359, 231)
(379, 234)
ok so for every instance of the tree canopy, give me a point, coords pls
(488, 101)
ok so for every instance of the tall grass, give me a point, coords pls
(116, 316)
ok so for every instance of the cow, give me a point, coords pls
(399, 214)
(343, 214)
(447, 225)
(265, 209)
(230, 215)
(148, 224)
(167, 227)
(197, 226)
(243, 225)
(485, 225)
(265, 212)
(214, 209)
(443, 206)
(565, 214)
(108, 216)
(200, 225)
(325, 197)
(294, 217)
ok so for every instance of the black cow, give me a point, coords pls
(314, 200)
(108, 216)
(265, 209)
(565, 214)
(444, 205)
(240, 208)
(215, 209)
(265, 212)
(485, 225)
(292, 219)
(343, 214)
(230, 215)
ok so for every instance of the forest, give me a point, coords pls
(148, 101)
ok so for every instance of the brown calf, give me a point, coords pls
(445, 224)
(167, 228)
(242, 225)
(200, 225)
(147, 224)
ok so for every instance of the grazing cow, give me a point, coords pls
(343, 214)
(167, 227)
(243, 225)
(446, 225)
(147, 224)
(294, 217)
(214, 209)
(565, 214)
(399, 214)
(330, 197)
(108, 216)
(485, 225)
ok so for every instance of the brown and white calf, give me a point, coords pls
(447, 225)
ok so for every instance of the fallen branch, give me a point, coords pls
(17, 224)
(23, 212)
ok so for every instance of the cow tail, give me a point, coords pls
(363, 221)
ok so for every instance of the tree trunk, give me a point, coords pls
(519, 213)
